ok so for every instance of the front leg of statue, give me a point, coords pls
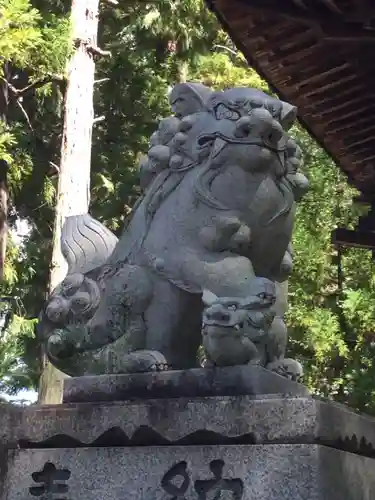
(278, 333)
(225, 233)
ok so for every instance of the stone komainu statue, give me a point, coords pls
(206, 255)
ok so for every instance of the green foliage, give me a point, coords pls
(221, 69)
(29, 41)
(34, 48)
(54, 48)
(331, 326)
(7, 140)
(16, 370)
(19, 34)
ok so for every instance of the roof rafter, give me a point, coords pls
(329, 24)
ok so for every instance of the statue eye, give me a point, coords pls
(71, 284)
(80, 302)
(232, 307)
(274, 109)
(224, 113)
(262, 295)
(254, 104)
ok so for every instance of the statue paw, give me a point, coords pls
(59, 347)
(159, 367)
(287, 367)
(142, 361)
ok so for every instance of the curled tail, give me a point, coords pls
(87, 313)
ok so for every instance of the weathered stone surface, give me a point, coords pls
(275, 448)
(199, 382)
(170, 420)
(267, 472)
(240, 419)
(216, 217)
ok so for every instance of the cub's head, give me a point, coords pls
(250, 316)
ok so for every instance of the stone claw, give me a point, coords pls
(288, 368)
(59, 348)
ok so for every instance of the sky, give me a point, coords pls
(23, 396)
(22, 229)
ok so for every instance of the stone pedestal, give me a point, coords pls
(267, 472)
(221, 447)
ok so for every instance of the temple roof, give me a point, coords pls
(320, 56)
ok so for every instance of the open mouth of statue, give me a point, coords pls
(234, 327)
(233, 332)
(224, 330)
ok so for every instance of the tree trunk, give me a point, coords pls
(73, 193)
(182, 72)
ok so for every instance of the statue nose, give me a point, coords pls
(273, 134)
(243, 127)
(268, 128)
(260, 123)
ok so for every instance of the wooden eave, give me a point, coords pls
(320, 56)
